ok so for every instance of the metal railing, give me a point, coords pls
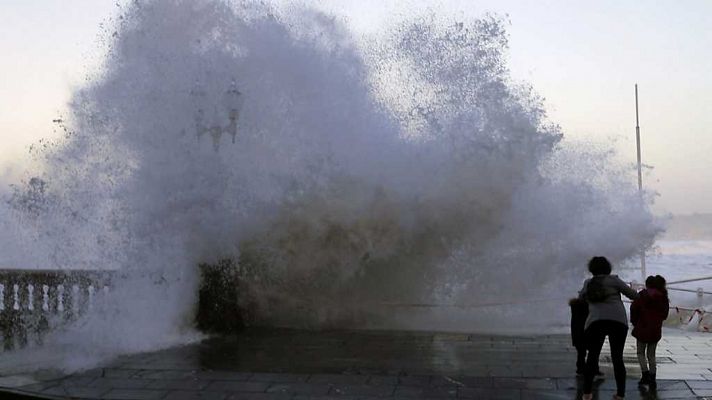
(700, 291)
(686, 315)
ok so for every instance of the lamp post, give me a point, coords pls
(234, 101)
(640, 177)
(215, 123)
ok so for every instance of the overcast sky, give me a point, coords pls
(582, 56)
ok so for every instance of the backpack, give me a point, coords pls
(596, 291)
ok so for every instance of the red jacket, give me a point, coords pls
(647, 314)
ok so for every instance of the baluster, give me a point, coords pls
(90, 289)
(45, 297)
(2, 297)
(16, 290)
(60, 298)
(75, 299)
(30, 297)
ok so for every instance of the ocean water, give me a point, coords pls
(682, 259)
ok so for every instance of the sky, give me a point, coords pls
(583, 57)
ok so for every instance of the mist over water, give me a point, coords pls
(365, 177)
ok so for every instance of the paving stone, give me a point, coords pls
(524, 383)
(38, 387)
(489, 393)
(311, 389)
(683, 376)
(236, 386)
(443, 380)
(276, 377)
(611, 384)
(177, 384)
(672, 394)
(90, 393)
(134, 394)
(448, 337)
(414, 380)
(630, 393)
(77, 381)
(336, 379)
(222, 375)
(363, 390)
(505, 372)
(664, 385)
(95, 372)
(676, 394)
(259, 396)
(196, 395)
(703, 392)
(119, 373)
(166, 374)
(545, 395)
(117, 383)
(426, 392)
(474, 381)
(699, 384)
(382, 380)
(567, 383)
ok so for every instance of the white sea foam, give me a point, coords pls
(365, 178)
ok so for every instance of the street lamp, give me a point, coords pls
(215, 123)
(234, 101)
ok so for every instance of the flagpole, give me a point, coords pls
(640, 177)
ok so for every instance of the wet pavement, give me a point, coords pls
(292, 364)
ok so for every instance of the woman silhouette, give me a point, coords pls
(606, 317)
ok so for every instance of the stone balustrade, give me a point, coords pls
(34, 301)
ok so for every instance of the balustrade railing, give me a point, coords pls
(34, 301)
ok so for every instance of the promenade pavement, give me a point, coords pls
(292, 364)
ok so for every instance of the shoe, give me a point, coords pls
(645, 378)
(587, 396)
(651, 381)
(616, 397)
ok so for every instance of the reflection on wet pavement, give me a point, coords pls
(280, 364)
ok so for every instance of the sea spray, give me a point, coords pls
(368, 183)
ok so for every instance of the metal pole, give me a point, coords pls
(640, 178)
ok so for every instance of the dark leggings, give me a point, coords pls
(595, 336)
(581, 358)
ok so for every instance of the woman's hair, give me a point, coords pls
(651, 282)
(659, 282)
(575, 301)
(599, 266)
(656, 282)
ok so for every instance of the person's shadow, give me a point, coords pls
(644, 391)
(579, 387)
